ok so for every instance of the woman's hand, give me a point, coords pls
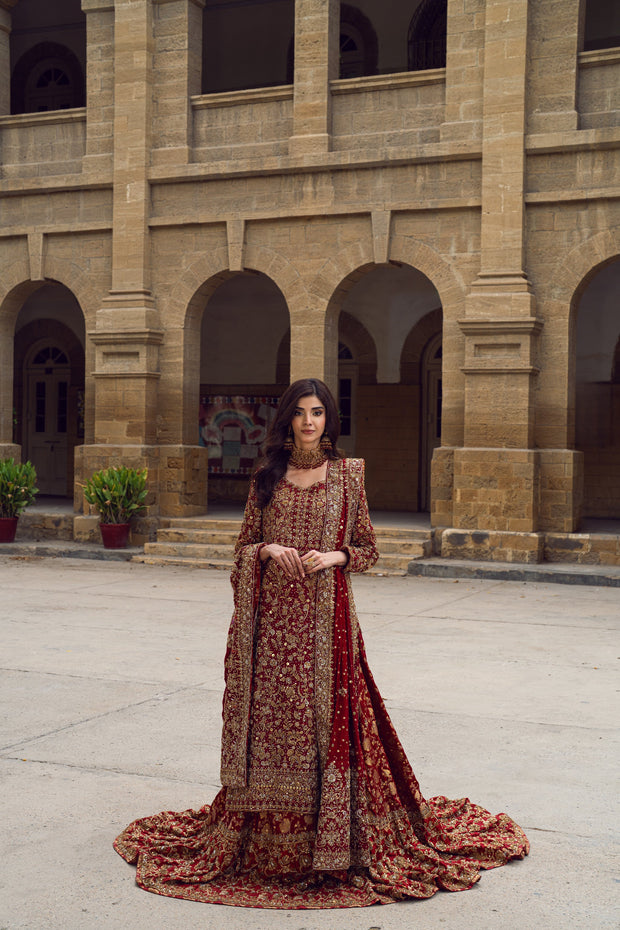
(288, 559)
(314, 561)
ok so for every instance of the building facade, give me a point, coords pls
(417, 201)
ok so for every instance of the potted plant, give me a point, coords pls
(118, 493)
(17, 490)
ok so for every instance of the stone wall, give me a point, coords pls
(495, 178)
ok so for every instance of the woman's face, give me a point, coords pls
(308, 423)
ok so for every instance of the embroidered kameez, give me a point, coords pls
(319, 806)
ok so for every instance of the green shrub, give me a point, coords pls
(17, 486)
(117, 493)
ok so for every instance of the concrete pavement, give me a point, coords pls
(111, 681)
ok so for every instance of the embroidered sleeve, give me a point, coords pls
(362, 547)
(249, 541)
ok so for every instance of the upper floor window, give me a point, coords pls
(602, 25)
(351, 52)
(358, 43)
(47, 77)
(48, 87)
(427, 35)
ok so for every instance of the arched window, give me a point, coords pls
(47, 77)
(351, 52)
(50, 356)
(358, 43)
(48, 88)
(427, 35)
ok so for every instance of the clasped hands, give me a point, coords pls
(295, 565)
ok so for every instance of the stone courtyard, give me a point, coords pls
(111, 682)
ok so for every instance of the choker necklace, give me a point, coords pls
(311, 458)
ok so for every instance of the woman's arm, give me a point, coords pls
(362, 549)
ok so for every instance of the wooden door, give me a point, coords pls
(46, 418)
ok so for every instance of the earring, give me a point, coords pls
(325, 443)
(289, 445)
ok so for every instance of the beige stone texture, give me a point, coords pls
(496, 178)
(492, 546)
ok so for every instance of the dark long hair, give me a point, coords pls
(275, 457)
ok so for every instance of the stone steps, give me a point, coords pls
(203, 542)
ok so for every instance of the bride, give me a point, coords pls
(319, 806)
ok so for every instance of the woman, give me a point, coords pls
(319, 806)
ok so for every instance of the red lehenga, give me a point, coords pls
(320, 807)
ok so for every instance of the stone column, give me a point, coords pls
(314, 341)
(5, 56)
(99, 86)
(178, 72)
(553, 66)
(317, 55)
(496, 473)
(128, 332)
(464, 71)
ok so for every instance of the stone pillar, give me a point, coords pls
(314, 344)
(496, 474)
(552, 76)
(464, 71)
(5, 56)
(317, 56)
(128, 334)
(99, 86)
(178, 69)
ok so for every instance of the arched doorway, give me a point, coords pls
(597, 408)
(244, 342)
(48, 385)
(388, 315)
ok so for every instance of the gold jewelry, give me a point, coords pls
(289, 445)
(325, 443)
(307, 458)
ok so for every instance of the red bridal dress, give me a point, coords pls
(319, 806)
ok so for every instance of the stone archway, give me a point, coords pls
(49, 384)
(235, 373)
(421, 364)
(385, 303)
(597, 391)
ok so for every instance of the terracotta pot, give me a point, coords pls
(114, 535)
(8, 528)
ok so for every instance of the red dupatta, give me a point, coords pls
(332, 848)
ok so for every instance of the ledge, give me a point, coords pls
(598, 57)
(388, 81)
(233, 98)
(386, 157)
(549, 573)
(47, 118)
(574, 140)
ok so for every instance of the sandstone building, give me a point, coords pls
(416, 200)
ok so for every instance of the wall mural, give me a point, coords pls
(233, 428)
